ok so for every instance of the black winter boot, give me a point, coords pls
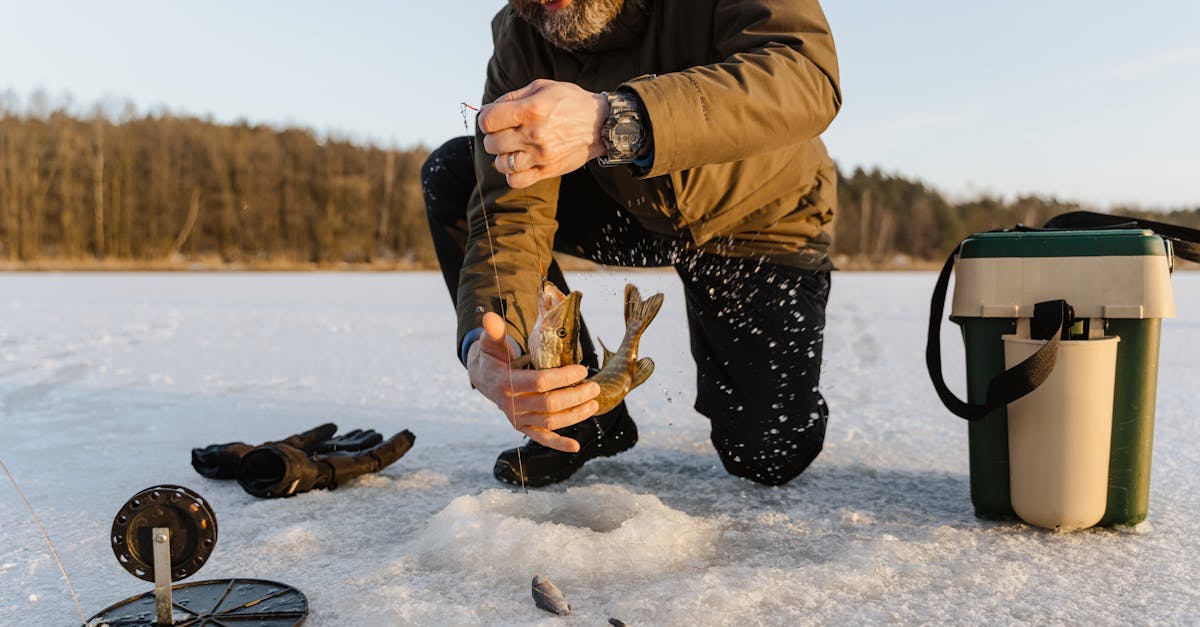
(535, 465)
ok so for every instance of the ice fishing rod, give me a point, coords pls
(49, 543)
(537, 253)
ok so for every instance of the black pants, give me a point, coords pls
(756, 328)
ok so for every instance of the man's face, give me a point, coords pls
(569, 24)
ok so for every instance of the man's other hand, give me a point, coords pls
(535, 401)
(543, 130)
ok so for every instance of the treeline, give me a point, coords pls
(159, 187)
(155, 188)
(881, 217)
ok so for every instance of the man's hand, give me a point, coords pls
(543, 130)
(535, 401)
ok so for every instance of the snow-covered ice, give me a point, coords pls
(108, 380)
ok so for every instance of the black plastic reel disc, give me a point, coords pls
(212, 603)
(192, 523)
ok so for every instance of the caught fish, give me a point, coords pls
(622, 371)
(554, 342)
(548, 597)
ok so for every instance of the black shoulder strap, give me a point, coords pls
(1184, 240)
(1050, 319)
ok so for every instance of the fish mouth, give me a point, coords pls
(553, 304)
(549, 296)
(565, 315)
(555, 337)
(570, 305)
(571, 325)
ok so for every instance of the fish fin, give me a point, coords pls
(638, 311)
(645, 368)
(607, 353)
(632, 298)
(522, 362)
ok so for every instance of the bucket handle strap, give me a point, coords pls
(1185, 241)
(1051, 319)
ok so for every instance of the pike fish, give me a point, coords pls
(548, 597)
(554, 341)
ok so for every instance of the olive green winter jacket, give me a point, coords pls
(737, 92)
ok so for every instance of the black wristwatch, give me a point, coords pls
(624, 131)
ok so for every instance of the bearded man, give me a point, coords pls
(678, 133)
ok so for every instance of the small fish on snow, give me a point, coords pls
(548, 597)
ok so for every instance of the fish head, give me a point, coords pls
(554, 339)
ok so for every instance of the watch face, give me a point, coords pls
(626, 134)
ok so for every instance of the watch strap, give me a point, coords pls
(622, 106)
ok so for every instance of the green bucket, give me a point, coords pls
(1118, 282)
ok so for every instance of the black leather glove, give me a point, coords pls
(220, 461)
(277, 470)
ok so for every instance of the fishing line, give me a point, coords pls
(537, 253)
(495, 271)
(542, 268)
(609, 268)
(45, 535)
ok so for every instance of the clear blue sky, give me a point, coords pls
(1090, 100)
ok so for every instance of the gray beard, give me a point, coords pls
(576, 27)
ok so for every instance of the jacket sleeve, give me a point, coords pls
(511, 230)
(776, 85)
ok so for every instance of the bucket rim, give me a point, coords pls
(1017, 339)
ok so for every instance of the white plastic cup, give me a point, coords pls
(1059, 434)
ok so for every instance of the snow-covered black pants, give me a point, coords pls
(756, 328)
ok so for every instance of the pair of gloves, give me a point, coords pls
(313, 460)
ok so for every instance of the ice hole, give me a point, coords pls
(595, 533)
(599, 515)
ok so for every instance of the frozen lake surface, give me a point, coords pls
(108, 380)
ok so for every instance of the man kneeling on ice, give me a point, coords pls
(646, 133)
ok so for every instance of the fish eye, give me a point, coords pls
(562, 332)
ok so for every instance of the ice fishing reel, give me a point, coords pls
(191, 525)
(164, 534)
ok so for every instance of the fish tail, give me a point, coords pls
(638, 312)
(645, 368)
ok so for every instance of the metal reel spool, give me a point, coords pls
(228, 602)
(189, 517)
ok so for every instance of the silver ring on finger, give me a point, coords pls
(512, 162)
